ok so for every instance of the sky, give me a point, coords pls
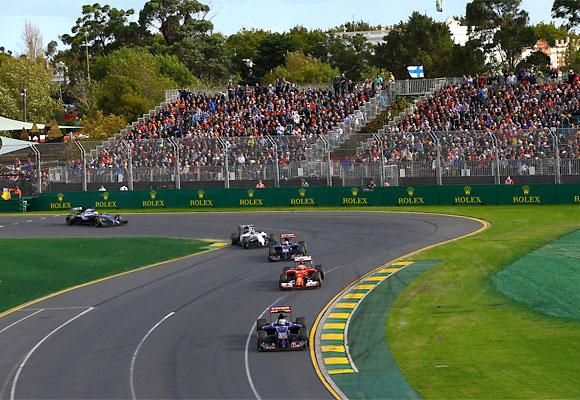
(56, 17)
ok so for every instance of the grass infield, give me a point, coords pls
(455, 336)
(32, 268)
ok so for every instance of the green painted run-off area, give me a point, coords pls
(546, 280)
(379, 377)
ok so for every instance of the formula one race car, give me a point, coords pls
(248, 237)
(286, 250)
(90, 216)
(281, 334)
(303, 275)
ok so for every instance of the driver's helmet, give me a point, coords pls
(286, 241)
(282, 320)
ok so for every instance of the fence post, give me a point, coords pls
(438, 163)
(276, 165)
(327, 148)
(557, 178)
(382, 175)
(37, 156)
(129, 164)
(226, 163)
(177, 163)
(496, 153)
(84, 165)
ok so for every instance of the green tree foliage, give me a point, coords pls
(101, 126)
(243, 46)
(132, 83)
(106, 29)
(19, 73)
(171, 67)
(500, 23)
(357, 26)
(568, 10)
(171, 17)
(302, 69)
(350, 54)
(206, 56)
(550, 33)
(271, 52)
(419, 41)
(537, 61)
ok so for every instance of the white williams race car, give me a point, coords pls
(247, 237)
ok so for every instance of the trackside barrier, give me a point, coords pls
(313, 196)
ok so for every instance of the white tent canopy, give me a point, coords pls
(8, 145)
(7, 124)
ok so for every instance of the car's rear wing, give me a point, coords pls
(281, 310)
(284, 236)
(302, 258)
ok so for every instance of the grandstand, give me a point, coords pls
(457, 130)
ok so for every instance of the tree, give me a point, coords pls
(242, 46)
(171, 67)
(171, 16)
(350, 54)
(132, 83)
(299, 68)
(17, 74)
(351, 26)
(500, 24)
(537, 61)
(550, 33)
(271, 53)
(568, 10)
(32, 40)
(418, 41)
(206, 56)
(101, 126)
(101, 27)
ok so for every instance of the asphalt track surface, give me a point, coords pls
(185, 329)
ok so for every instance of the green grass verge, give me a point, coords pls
(32, 268)
(546, 280)
(454, 336)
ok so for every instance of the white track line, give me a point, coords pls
(29, 220)
(54, 308)
(31, 352)
(20, 320)
(246, 354)
(1, 226)
(134, 358)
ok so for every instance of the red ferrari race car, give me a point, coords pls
(304, 275)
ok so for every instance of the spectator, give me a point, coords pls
(124, 188)
(371, 185)
(260, 185)
(304, 183)
(102, 189)
(509, 181)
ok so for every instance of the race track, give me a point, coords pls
(185, 329)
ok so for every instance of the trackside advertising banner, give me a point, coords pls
(402, 196)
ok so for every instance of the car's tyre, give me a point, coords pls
(261, 323)
(261, 338)
(301, 321)
(320, 269)
(316, 277)
(245, 243)
(303, 334)
(302, 247)
(282, 279)
(235, 239)
(98, 222)
(69, 221)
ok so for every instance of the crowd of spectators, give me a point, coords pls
(242, 120)
(464, 118)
